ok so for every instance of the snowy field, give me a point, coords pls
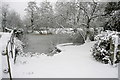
(72, 62)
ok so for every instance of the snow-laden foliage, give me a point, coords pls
(18, 48)
(18, 45)
(104, 49)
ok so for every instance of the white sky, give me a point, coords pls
(20, 5)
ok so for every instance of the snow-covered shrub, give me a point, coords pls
(18, 33)
(103, 50)
(18, 45)
(18, 49)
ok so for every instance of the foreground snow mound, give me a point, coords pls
(72, 62)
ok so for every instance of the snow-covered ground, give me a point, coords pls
(3, 42)
(72, 62)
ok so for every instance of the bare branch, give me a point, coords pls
(94, 8)
(85, 11)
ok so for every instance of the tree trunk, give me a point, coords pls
(88, 31)
(32, 21)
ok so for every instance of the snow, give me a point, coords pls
(111, 36)
(5, 37)
(3, 42)
(72, 62)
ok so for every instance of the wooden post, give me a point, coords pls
(111, 50)
(11, 42)
(11, 46)
(115, 38)
(9, 68)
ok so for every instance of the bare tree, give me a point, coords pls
(78, 14)
(89, 12)
(31, 12)
(14, 20)
(46, 14)
(65, 12)
(4, 15)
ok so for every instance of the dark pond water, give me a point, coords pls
(45, 43)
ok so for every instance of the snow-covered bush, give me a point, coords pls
(18, 33)
(101, 51)
(104, 49)
(18, 49)
(19, 45)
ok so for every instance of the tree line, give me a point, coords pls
(64, 14)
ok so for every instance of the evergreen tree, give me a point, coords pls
(112, 10)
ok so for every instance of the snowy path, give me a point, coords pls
(72, 62)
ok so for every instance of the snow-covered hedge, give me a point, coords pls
(104, 49)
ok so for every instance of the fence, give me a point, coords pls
(10, 52)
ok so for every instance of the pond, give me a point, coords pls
(45, 43)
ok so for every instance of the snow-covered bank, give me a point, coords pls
(72, 62)
(4, 39)
(3, 42)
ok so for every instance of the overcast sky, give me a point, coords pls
(20, 5)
